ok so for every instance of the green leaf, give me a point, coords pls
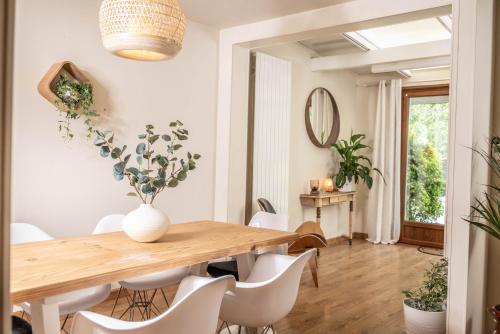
(127, 158)
(140, 148)
(172, 124)
(147, 188)
(104, 151)
(133, 171)
(115, 154)
(196, 156)
(180, 123)
(173, 183)
(142, 136)
(139, 160)
(149, 127)
(159, 183)
(177, 146)
(182, 175)
(153, 138)
(132, 194)
(166, 138)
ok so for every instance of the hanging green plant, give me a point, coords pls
(155, 170)
(77, 99)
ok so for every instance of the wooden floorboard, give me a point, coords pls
(360, 290)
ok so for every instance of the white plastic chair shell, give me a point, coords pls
(21, 233)
(268, 294)
(195, 310)
(271, 221)
(69, 302)
(113, 223)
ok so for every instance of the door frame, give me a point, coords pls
(6, 82)
(407, 93)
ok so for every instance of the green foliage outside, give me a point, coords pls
(427, 146)
(426, 183)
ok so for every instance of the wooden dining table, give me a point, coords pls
(42, 270)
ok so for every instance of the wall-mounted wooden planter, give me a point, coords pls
(45, 87)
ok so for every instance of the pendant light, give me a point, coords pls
(142, 29)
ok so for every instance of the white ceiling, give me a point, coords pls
(228, 13)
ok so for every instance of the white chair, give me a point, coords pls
(140, 298)
(70, 302)
(195, 310)
(271, 221)
(268, 294)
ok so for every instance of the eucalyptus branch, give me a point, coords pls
(148, 185)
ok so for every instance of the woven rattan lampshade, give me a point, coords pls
(142, 29)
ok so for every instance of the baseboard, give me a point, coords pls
(343, 238)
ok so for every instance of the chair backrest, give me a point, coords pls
(265, 205)
(22, 232)
(269, 220)
(109, 223)
(269, 293)
(196, 312)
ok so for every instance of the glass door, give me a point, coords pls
(424, 164)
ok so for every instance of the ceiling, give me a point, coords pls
(228, 13)
(411, 32)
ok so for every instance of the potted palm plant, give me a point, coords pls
(425, 307)
(354, 167)
(485, 213)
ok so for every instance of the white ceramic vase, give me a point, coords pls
(146, 224)
(422, 322)
(347, 187)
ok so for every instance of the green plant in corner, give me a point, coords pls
(155, 171)
(76, 97)
(485, 214)
(354, 166)
(432, 294)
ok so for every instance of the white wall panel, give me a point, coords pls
(272, 131)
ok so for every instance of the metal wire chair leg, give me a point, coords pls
(64, 324)
(116, 301)
(165, 297)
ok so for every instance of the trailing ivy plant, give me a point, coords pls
(485, 213)
(352, 167)
(76, 97)
(431, 295)
(158, 164)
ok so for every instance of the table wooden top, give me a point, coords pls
(47, 268)
(328, 194)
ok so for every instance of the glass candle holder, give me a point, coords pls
(314, 184)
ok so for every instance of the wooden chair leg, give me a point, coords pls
(313, 266)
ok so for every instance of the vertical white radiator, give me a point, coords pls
(272, 131)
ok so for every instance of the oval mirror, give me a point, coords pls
(322, 118)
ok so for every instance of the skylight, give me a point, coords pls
(413, 32)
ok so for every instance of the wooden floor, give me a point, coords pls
(360, 291)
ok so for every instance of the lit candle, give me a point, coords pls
(328, 185)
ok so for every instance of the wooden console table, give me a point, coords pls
(326, 199)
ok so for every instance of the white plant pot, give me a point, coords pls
(146, 224)
(347, 187)
(423, 322)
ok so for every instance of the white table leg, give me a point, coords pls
(45, 317)
(245, 264)
(199, 269)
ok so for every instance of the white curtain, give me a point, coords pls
(384, 198)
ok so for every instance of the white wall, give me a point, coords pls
(308, 161)
(66, 187)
